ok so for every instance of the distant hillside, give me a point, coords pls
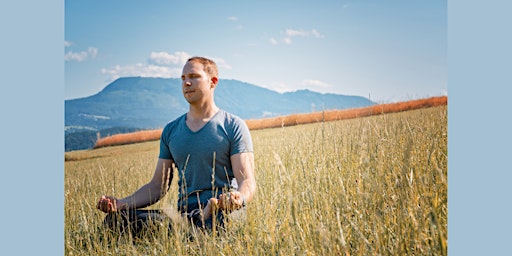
(148, 103)
(86, 139)
(290, 120)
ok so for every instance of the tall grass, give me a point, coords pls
(367, 186)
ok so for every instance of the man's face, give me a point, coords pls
(196, 84)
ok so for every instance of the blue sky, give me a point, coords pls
(386, 50)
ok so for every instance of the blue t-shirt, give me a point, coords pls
(195, 154)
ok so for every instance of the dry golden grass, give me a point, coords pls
(367, 186)
(128, 138)
(333, 115)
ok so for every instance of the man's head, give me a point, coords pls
(199, 79)
(209, 66)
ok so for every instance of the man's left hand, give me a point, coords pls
(230, 201)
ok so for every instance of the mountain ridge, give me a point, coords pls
(148, 103)
(143, 102)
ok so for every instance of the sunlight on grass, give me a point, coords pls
(366, 186)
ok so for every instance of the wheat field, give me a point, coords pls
(367, 186)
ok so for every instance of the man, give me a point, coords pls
(209, 148)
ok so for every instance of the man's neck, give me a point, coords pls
(199, 117)
(202, 113)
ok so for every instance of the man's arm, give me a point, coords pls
(146, 195)
(243, 169)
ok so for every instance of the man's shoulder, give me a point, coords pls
(230, 118)
(228, 115)
(174, 122)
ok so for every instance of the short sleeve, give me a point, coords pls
(242, 141)
(165, 152)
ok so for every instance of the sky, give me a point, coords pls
(387, 51)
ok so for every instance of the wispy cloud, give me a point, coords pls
(91, 53)
(310, 84)
(166, 59)
(235, 19)
(280, 87)
(159, 64)
(290, 33)
(317, 84)
(304, 33)
(221, 63)
(67, 43)
(283, 40)
(141, 69)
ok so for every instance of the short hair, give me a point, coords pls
(209, 66)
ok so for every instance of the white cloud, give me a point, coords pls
(221, 63)
(289, 33)
(67, 43)
(91, 53)
(316, 34)
(303, 33)
(315, 84)
(75, 56)
(310, 84)
(178, 59)
(235, 19)
(287, 40)
(141, 69)
(278, 87)
(166, 59)
(160, 64)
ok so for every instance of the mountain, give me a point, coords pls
(147, 103)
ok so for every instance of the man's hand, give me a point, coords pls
(107, 204)
(230, 201)
(213, 204)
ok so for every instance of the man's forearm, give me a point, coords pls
(247, 189)
(143, 197)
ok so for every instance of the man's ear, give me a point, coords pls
(214, 80)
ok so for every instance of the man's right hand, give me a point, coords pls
(107, 204)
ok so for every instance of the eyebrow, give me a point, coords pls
(192, 74)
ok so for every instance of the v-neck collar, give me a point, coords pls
(202, 126)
